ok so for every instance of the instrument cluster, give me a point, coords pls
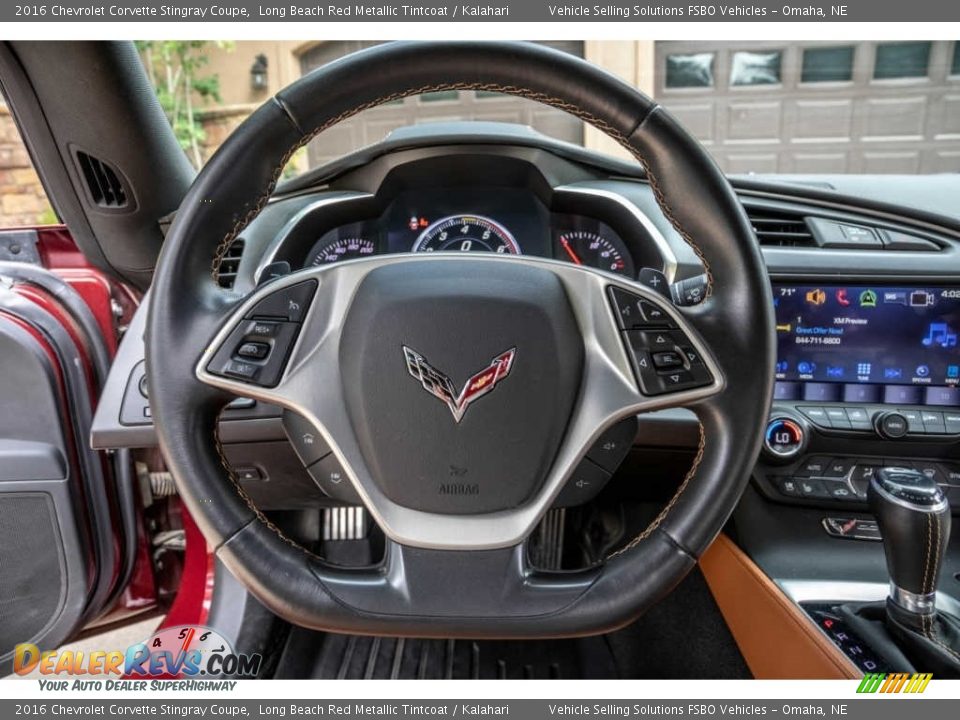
(496, 220)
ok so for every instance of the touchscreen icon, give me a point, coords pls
(816, 296)
(921, 298)
(895, 297)
(842, 297)
(922, 371)
(868, 299)
(939, 334)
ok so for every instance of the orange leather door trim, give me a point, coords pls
(776, 638)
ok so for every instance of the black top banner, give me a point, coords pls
(493, 11)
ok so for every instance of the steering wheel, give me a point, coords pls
(372, 353)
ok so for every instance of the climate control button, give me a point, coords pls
(784, 439)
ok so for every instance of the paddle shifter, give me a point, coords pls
(914, 518)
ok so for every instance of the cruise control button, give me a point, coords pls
(307, 442)
(253, 350)
(262, 329)
(289, 303)
(242, 370)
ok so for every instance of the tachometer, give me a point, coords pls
(341, 249)
(594, 250)
(466, 233)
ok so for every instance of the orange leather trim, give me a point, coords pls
(776, 637)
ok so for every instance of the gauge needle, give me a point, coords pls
(570, 252)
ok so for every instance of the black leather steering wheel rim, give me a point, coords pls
(187, 307)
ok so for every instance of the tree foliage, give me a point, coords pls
(175, 68)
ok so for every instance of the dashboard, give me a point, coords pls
(866, 294)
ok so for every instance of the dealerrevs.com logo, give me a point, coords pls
(185, 651)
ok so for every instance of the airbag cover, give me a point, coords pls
(416, 330)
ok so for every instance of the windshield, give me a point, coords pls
(787, 107)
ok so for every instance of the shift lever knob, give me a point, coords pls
(914, 519)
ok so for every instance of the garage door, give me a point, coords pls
(864, 107)
(372, 125)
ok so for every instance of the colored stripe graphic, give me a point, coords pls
(889, 683)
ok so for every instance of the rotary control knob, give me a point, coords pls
(785, 438)
(890, 425)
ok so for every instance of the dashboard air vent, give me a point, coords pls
(777, 228)
(103, 182)
(227, 272)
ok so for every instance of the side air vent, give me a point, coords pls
(775, 228)
(104, 185)
(230, 264)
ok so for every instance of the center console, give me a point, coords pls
(867, 392)
(867, 376)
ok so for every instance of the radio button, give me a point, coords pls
(914, 421)
(933, 422)
(859, 419)
(816, 415)
(952, 422)
(838, 418)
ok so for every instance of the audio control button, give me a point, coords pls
(891, 425)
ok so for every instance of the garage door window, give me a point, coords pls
(756, 68)
(441, 96)
(827, 64)
(901, 60)
(686, 71)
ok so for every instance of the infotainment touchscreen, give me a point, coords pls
(868, 343)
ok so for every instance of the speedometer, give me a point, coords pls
(466, 233)
(341, 249)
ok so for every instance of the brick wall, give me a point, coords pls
(22, 199)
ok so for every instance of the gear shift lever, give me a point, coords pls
(914, 519)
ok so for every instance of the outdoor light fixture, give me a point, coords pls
(258, 73)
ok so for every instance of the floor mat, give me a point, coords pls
(351, 657)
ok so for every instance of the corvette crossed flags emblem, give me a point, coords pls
(442, 387)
